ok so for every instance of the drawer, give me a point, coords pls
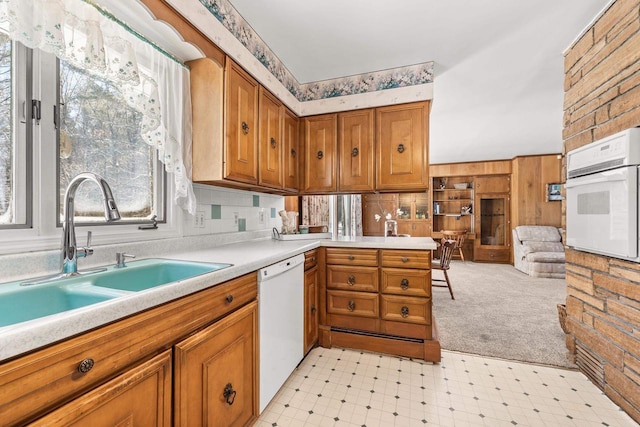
(310, 259)
(361, 304)
(40, 380)
(352, 278)
(365, 257)
(406, 309)
(405, 259)
(404, 281)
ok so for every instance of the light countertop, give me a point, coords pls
(246, 257)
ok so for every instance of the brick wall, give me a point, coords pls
(602, 97)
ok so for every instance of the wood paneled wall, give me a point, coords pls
(529, 178)
(602, 97)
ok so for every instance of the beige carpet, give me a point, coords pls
(501, 312)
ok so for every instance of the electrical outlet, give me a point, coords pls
(199, 219)
(236, 215)
(261, 217)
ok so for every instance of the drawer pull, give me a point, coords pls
(229, 394)
(404, 259)
(352, 305)
(404, 284)
(273, 142)
(351, 280)
(351, 257)
(313, 309)
(400, 148)
(245, 128)
(355, 152)
(404, 312)
(320, 154)
(86, 365)
(229, 299)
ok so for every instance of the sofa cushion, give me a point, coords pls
(540, 233)
(535, 246)
(545, 257)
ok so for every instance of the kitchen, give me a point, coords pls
(219, 210)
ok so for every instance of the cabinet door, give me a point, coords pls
(310, 308)
(492, 184)
(320, 153)
(216, 373)
(493, 230)
(415, 228)
(355, 147)
(270, 145)
(139, 397)
(291, 156)
(402, 146)
(241, 144)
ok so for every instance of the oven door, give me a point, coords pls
(602, 213)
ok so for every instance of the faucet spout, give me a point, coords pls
(70, 251)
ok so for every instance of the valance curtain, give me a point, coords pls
(152, 82)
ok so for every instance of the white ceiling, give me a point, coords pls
(499, 72)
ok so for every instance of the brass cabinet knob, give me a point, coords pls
(351, 280)
(404, 259)
(404, 312)
(273, 142)
(320, 154)
(229, 394)
(313, 309)
(293, 152)
(400, 148)
(86, 365)
(351, 306)
(355, 152)
(404, 284)
(229, 299)
(245, 128)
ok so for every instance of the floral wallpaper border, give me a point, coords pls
(229, 17)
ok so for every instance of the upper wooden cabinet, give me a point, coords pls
(355, 151)
(402, 133)
(241, 125)
(291, 156)
(320, 146)
(270, 145)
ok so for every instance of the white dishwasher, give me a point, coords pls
(281, 307)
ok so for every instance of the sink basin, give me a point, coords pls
(19, 303)
(149, 273)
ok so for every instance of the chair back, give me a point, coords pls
(458, 236)
(448, 247)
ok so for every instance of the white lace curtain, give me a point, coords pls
(154, 84)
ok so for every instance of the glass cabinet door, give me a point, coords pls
(404, 205)
(422, 205)
(493, 220)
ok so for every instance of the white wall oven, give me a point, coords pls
(602, 203)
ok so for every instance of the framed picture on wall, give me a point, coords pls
(554, 192)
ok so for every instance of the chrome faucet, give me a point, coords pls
(390, 224)
(70, 251)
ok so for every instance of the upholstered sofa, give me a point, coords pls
(538, 251)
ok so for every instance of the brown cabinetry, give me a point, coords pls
(355, 148)
(270, 142)
(320, 154)
(311, 310)
(39, 382)
(413, 218)
(377, 299)
(492, 219)
(241, 125)
(291, 155)
(402, 147)
(216, 373)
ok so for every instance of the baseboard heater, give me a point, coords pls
(376, 334)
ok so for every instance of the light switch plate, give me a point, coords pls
(261, 216)
(199, 219)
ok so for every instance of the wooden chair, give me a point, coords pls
(447, 249)
(458, 236)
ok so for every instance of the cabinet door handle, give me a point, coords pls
(404, 259)
(229, 394)
(245, 128)
(404, 312)
(351, 306)
(86, 365)
(293, 152)
(320, 154)
(273, 142)
(404, 284)
(355, 152)
(351, 257)
(229, 299)
(313, 309)
(351, 280)
(400, 148)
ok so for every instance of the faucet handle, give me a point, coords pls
(121, 258)
(87, 250)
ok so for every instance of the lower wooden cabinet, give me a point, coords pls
(310, 308)
(216, 372)
(139, 397)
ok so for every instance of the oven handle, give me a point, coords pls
(609, 177)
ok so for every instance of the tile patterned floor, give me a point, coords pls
(339, 387)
